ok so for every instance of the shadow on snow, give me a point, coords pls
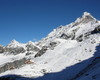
(70, 73)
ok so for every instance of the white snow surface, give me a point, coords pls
(67, 59)
(15, 44)
(10, 58)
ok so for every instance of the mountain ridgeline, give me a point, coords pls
(70, 52)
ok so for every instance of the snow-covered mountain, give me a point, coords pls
(70, 52)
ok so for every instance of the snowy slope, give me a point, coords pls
(75, 54)
(15, 44)
(82, 25)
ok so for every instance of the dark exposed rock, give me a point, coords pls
(1, 49)
(36, 48)
(31, 47)
(42, 51)
(87, 19)
(96, 30)
(83, 36)
(29, 53)
(14, 50)
(84, 19)
(12, 65)
(64, 36)
(86, 35)
(52, 45)
(44, 71)
(17, 50)
(80, 38)
(69, 36)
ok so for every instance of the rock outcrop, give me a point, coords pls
(12, 65)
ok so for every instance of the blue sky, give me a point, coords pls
(26, 20)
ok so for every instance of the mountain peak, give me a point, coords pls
(14, 41)
(13, 44)
(30, 42)
(86, 17)
(86, 14)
